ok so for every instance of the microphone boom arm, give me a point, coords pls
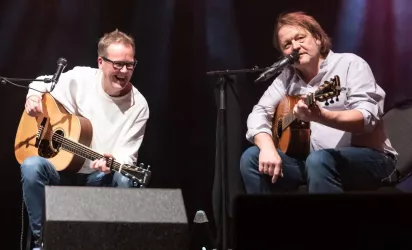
(5, 79)
(62, 62)
(278, 67)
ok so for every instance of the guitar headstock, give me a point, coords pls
(325, 92)
(138, 174)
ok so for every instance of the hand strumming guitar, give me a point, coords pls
(101, 164)
(33, 106)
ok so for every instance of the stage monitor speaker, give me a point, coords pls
(114, 218)
(323, 221)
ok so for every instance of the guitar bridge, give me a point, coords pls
(40, 132)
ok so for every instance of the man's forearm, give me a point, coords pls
(346, 120)
(264, 141)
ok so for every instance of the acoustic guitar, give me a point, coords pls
(291, 135)
(64, 139)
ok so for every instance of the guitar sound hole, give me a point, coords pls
(45, 150)
(57, 139)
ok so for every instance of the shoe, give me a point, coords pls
(36, 245)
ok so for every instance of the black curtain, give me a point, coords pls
(177, 42)
(171, 50)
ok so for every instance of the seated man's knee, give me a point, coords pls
(122, 181)
(31, 167)
(249, 160)
(318, 163)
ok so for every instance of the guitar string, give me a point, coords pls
(289, 118)
(72, 146)
(81, 149)
(78, 147)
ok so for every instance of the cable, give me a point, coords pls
(5, 80)
(22, 225)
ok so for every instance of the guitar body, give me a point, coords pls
(33, 137)
(294, 140)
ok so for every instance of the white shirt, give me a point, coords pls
(364, 94)
(118, 122)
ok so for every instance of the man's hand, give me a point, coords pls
(33, 106)
(270, 163)
(305, 113)
(269, 160)
(101, 164)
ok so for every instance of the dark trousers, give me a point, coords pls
(324, 171)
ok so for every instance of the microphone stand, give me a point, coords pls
(6, 79)
(61, 62)
(11, 81)
(221, 134)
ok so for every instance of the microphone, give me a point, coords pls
(278, 66)
(61, 64)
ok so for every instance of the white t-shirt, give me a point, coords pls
(118, 122)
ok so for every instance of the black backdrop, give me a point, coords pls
(177, 42)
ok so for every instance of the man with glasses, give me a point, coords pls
(117, 111)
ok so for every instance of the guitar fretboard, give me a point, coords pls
(290, 117)
(82, 151)
(287, 120)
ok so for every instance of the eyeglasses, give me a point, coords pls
(119, 64)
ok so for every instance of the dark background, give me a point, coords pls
(177, 42)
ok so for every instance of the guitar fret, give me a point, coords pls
(287, 120)
(80, 149)
(87, 153)
(84, 151)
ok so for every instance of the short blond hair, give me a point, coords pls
(115, 36)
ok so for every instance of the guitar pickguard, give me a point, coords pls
(50, 148)
(279, 130)
(44, 149)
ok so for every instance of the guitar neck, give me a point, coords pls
(83, 151)
(290, 117)
(287, 120)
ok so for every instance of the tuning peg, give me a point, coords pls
(331, 101)
(148, 167)
(326, 103)
(141, 165)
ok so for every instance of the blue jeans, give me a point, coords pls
(324, 171)
(36, 172)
